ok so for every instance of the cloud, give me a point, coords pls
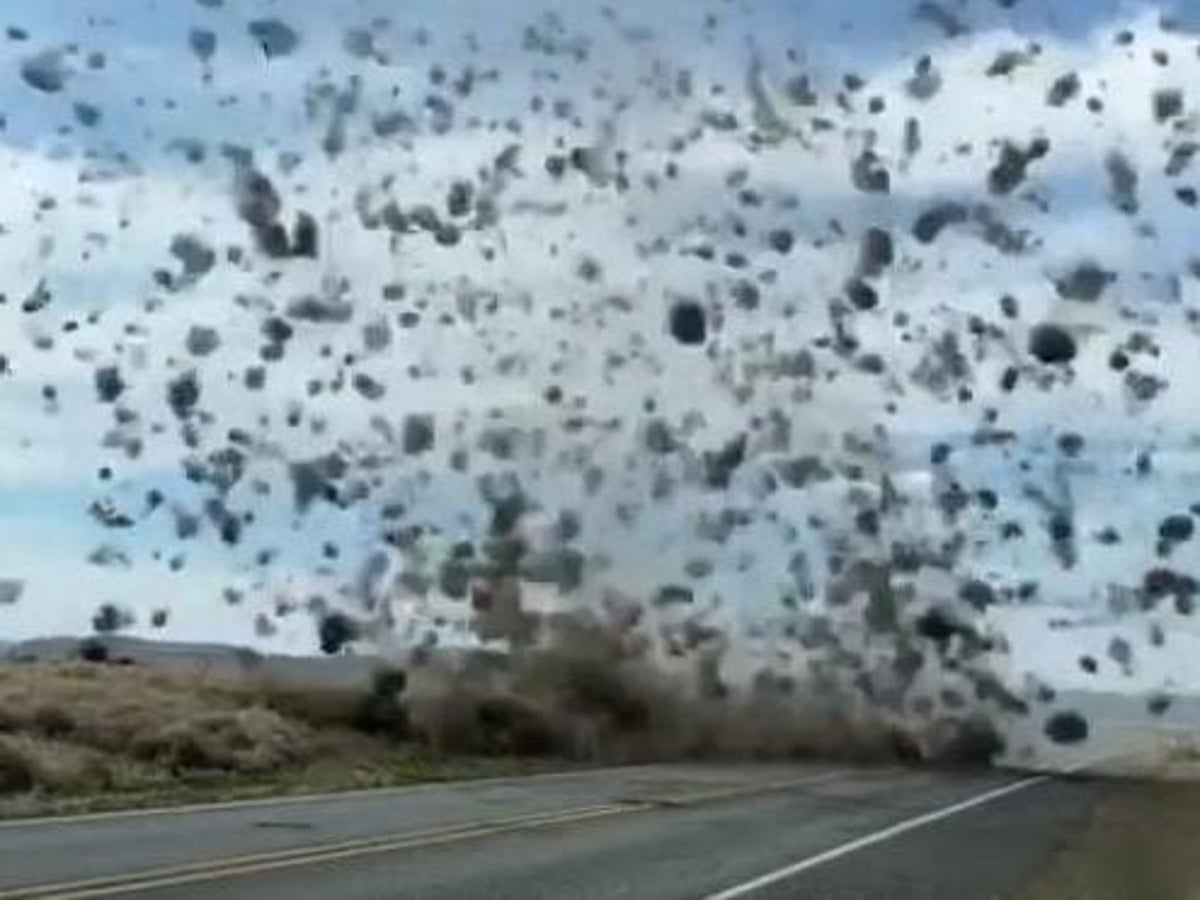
(601, 340)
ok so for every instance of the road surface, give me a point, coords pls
(663, 831)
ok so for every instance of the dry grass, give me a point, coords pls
(93, 730)
(152, 717)
(1140, 845)
(80, 735)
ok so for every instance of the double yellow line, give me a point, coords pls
(255, 863)
(226, 867)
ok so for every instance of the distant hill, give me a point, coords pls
(209, 659)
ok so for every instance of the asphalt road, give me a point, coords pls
(666, 831)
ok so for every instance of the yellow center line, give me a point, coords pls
(269, 857)
(228, 867)
(220, 869)
(303, 800)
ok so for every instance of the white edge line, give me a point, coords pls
(877, 837)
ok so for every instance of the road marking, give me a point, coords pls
(302, 799)
(878, 837)
(227, 867)
(730, 793)
(201, 871)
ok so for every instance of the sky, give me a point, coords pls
(90, 210)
